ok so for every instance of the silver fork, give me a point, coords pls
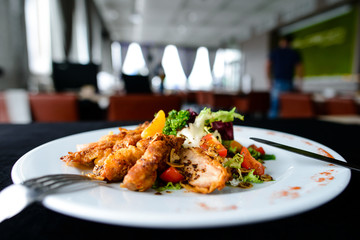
(14, 198)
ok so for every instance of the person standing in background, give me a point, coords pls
(283, 63)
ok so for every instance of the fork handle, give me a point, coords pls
(13, 199)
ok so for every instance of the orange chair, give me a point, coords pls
(54, 107)
(205, 98)
(253, 103)
(340, 106)
(296, 105)
(223, 101)
(242, 104)
(140, 107)
(4, 115)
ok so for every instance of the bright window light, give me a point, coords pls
(200, 77)
(227, 69)
(175, 78)
(37, 17)
(80, 32)
(134, 63)
(219, 67)
(116, 56)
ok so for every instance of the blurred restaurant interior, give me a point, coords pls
(91, 60)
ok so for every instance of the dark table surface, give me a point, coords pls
(335, 219)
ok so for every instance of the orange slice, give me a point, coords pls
(156, 125)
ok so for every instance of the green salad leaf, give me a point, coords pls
(225, 116)
(268, 157)
(176, 121)
(235, 162)
(251, 177)
(258, 156)
(206, 116)
(255, 154)
(168, 186)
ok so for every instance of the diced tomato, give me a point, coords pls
(171, 175)
(236, 145)
(210, 141)
(251, 163)
(259, 149)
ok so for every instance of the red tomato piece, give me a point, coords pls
(251, 163)
(210, 141)
(259, 149)
(171, 175)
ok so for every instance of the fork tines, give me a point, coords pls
(54, 182)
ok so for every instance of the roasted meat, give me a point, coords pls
(118, 163)
(203, 174)
(143, 174)
(96, 151)
(130, 139)
(92, 153)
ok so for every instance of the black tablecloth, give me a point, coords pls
(335, 219)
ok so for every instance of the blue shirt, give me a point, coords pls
(283, 62)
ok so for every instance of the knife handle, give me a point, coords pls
(13, 199)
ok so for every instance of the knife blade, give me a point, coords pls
(308, 154)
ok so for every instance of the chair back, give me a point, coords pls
(340, 106)
(141, 107)
(253, 103)
(205, 98)
(54, 107)
(4, 116)
(296, 105)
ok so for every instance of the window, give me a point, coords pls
(116, 57)
(200, 77)
(80, 44)
(227, 69)
(37, 16)
(134, 63)
(219, 68)
(175, 78)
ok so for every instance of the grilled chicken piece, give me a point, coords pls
(143, 174)
(203, 174)
(130, 139)
(92, 153)
(118, 163)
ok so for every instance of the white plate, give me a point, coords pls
(300, 184)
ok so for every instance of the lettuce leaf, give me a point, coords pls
(255, 154)
(251, 177)
(225, 116)
(207, 117)
(235, 162)
(168, 186)
(202, 124)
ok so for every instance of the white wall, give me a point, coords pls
(256, 52)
